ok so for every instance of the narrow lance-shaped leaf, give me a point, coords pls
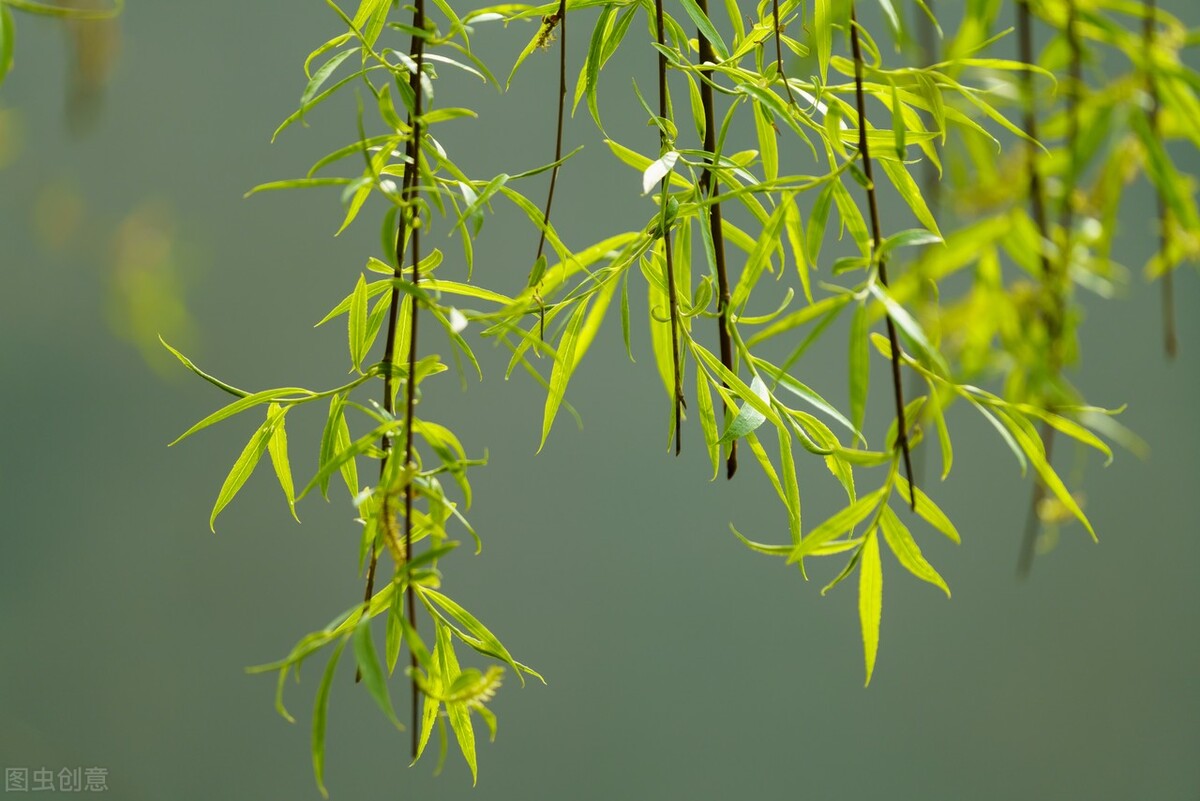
(748, 418)
(927, 509)
(277, 446)
(907, 552)
(560, 375)
(320, 716)
(870, 599)
(358, 323)
(370, 670)
(244, 465)
(860, 368)
(839, 524)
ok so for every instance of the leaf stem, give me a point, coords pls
(778, 47)
(708, 188)
(877, 234)
(668, 256)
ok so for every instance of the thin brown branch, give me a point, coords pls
(407, 229)
(778, 48)
(708, 187)
(560, 19)
(663, 112)
(877, 233)
(1150, 32)
(413, 171)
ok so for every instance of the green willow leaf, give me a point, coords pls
(564, 364)
(907, 552)
(356, 448)
(897, 172)
(758, 547)
(322, 75)
(372, 674)
(246, 463)
(760, 258)
(705, 26)
(860, 368)
(1029, 442)
(840, 523)
(823, 20)
(481, 639)
(927, 509)
(278, 448)
(748, 419)
(358, 323)
(321, 716)
(916, 237)
(592, 63)
(870, 600)
(791, 486)
(239, 406)
(186, 362)
(943, 432)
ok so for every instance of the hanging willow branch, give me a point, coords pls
(1149, 30)
(663, 111)
(560, 19)
(708, 187)
(778, 49)
(409, 228)
(877, 235)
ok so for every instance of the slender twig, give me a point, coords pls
(877, 233)
(778, 48)
(408, 228)
(414, 171)
(669, 258)
(1150, 31)
(561, 21)
(708, 188)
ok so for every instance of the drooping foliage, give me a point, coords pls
(1009, 171)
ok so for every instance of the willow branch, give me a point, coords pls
(414, 170)
(708, 188)
(409, 228)
(877, 234)
(778, 49)
(560, 18)
(668, 256)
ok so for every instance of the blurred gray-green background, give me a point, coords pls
(679, 664)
